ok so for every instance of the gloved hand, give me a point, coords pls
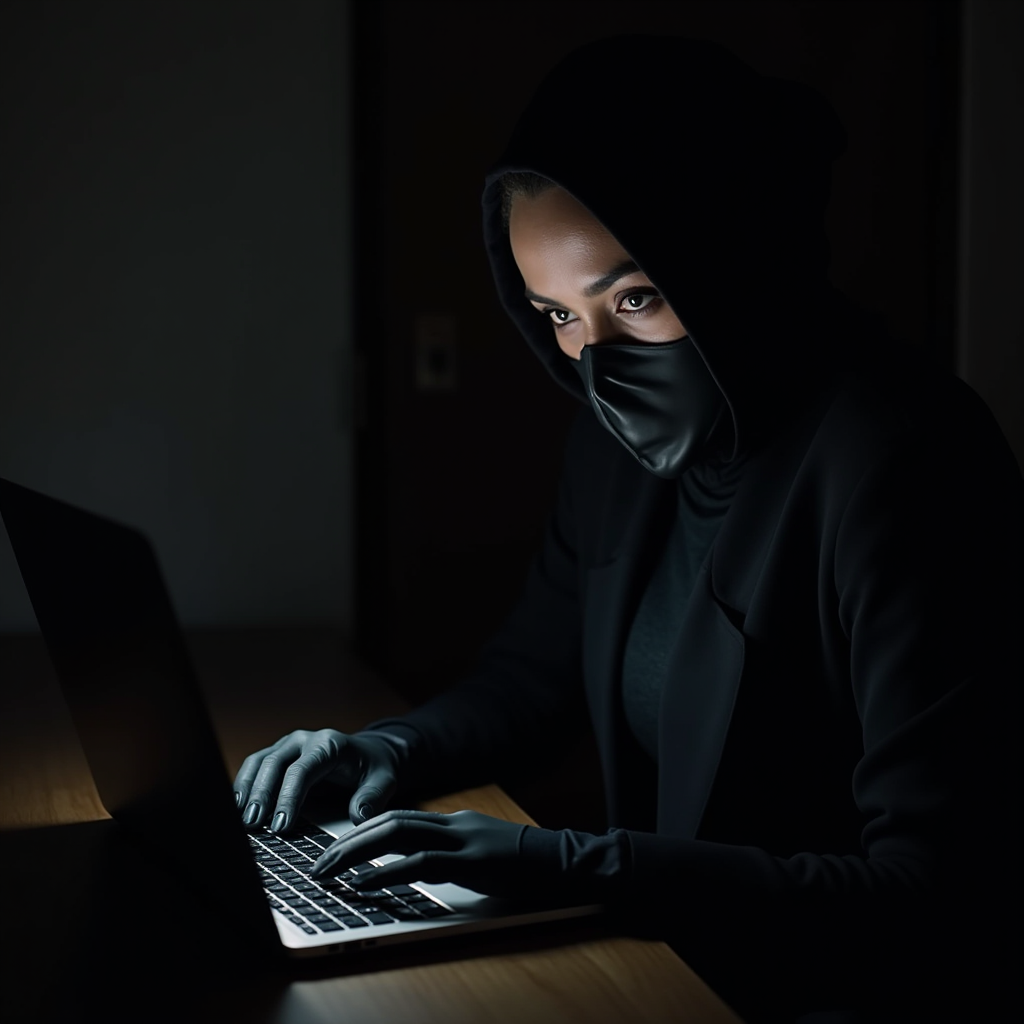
(281, 775)
(485, 854)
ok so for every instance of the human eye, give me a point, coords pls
(639, 303)
(559, 317)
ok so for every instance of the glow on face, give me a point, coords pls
(581, 279)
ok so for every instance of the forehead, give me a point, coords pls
(555, 231)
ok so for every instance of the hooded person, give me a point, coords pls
(782, 579)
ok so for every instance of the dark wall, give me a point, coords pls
(990, 288)
(174, 260)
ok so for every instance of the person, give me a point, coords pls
(782, 578)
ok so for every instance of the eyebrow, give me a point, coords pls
(602, 284)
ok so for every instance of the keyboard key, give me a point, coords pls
(432, 910)
(321, 899)
(330, 926)
(333, 885)
(378, 917)
(353, 922)
(401, 913)
(404, 890)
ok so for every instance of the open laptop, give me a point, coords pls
(122, 663)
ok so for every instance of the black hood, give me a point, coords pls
(715, 180)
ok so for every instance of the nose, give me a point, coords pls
(598, 330)
(574, 347)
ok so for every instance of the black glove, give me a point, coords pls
(488, 855)
(368, 763)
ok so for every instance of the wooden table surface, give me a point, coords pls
(260, 684)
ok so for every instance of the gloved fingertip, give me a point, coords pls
(280, 819)
(366, 811)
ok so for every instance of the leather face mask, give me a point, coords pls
(659, 400)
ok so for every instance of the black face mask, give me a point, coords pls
(659, 400)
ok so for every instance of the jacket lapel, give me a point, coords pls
(708, 660)
(634, 532)
(696, 709)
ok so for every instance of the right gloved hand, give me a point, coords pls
(280, 776)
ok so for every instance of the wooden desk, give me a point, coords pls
(260, 684)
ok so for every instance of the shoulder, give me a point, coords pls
(892, 403)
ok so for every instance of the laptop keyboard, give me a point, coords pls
(329, 904)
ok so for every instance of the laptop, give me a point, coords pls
(121, 660)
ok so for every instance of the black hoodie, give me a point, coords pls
(835, 818)
(715, 180)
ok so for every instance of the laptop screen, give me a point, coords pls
(121, 660)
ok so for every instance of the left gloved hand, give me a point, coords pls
(477, 851)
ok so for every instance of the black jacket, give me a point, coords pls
(835, 819)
